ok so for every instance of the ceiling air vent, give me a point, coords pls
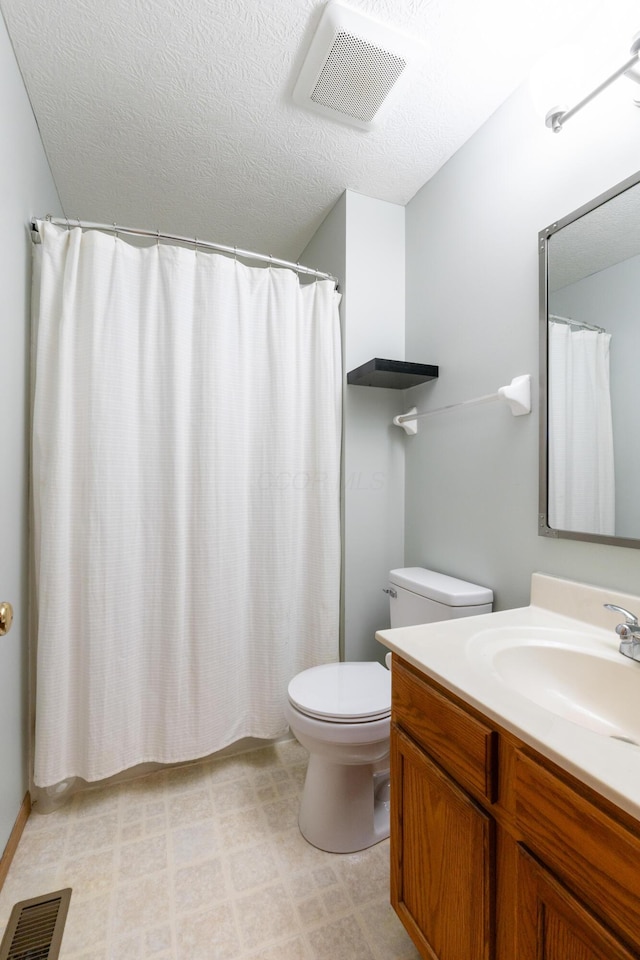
(353, 66)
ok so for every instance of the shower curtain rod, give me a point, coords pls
(576, 323)
(204, 244)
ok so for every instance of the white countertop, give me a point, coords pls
(455, 654)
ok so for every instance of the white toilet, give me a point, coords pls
(341, 712)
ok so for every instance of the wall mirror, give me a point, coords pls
(589, 364)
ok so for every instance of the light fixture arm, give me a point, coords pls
(558, 116)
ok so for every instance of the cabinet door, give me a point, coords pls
(442, 859)
(553, 925)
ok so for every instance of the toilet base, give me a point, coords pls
(344, 807)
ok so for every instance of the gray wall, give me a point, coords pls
(362, 242)
(472, 307)
(26, 189)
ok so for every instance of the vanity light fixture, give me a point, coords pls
(558, 116)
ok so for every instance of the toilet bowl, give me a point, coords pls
(341, 712)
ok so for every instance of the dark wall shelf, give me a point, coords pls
(393, 374)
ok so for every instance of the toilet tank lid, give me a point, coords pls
(440, 587)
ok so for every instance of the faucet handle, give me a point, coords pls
(629, 632)
(632, 620)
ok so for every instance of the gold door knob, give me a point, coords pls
(6, 618)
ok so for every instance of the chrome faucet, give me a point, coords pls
(629, 632)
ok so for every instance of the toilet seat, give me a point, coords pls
(343, 692)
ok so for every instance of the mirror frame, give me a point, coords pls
(544, 530)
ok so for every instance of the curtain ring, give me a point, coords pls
(78, 222)
(68, 224)
(235, 254)
(158, 237)
(115, 230)
(195, 244)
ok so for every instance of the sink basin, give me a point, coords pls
(573, 675)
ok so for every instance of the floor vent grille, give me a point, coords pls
(35, 927)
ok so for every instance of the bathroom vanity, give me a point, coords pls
(515, 803)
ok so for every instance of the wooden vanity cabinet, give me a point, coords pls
(447, 846)
(554, 925)
(497, 854)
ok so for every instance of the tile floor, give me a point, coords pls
(205, 862)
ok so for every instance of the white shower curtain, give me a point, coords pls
(581, 465)
(186, 457)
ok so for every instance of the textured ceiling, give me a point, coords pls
(603, 237)
(177, 114)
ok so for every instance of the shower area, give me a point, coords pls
(581, 438)
(186, 457)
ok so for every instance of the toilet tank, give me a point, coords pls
(417, 595)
